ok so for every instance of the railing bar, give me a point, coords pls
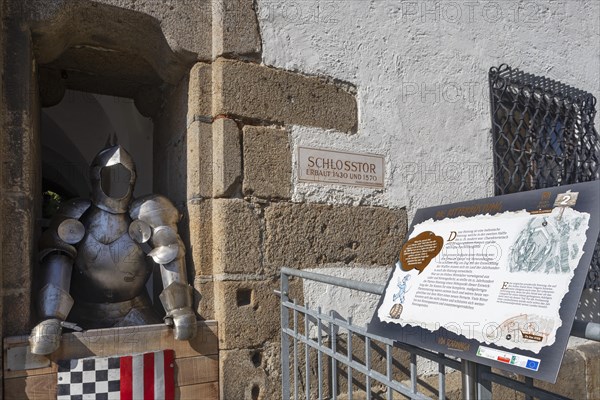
(349, 346)
(319, 354)
(582, 329)
(587, 330)
(397, 386)
(388, 360)
(521, 387)
(285, 349)
(340, 323)
(307, 354)
(333, 280)
(448, 362)
(421, 352)
(484, 386)
(413, 372)
(295, 354)
(469, 379)
(368, 366)
(333, 338)
(528, 382)
(442, 380)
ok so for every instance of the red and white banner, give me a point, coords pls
(145, 376)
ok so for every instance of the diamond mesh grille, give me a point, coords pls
(543, 134)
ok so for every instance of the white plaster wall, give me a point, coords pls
(357, 305)
(420, 68)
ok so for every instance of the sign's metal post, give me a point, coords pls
(469, 379)
(285, 348)
(484, 385)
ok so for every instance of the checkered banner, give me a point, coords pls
(146, 376)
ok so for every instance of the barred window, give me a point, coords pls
(543, 135)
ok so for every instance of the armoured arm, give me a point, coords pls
(155, 222)
(57, 254)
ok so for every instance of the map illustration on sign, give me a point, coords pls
(494, 280)
(490, 261)
(543, 246)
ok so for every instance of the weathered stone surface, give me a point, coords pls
(571, 381)
(235, 29)
(19, 172)
(2, 112)
(236, 237)
(429, 386)
(170, 142)
(251, 373)
(306, 235)
(19, 142)
(16, 312)
(196, 232)
(52, 87)
(148, 100)
(252, 91)
(186, 26)
(170, 123)
(247, 313)
(18, 248)
(204, 299)
(267, 162)
(226, 158)
(591, 353)
(199, 160)
(200, 92)
(20, 181)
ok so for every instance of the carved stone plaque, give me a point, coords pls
(345, 168)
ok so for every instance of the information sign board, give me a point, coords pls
(496, 281)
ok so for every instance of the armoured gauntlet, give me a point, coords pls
(155, 221)
(54, 305)
(177, 301)
(57, 253)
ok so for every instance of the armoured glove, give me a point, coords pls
(184, 323)
(45, 337)
(177, 300)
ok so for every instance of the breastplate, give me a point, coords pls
(110, 266)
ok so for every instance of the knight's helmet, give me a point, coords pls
(112, 165)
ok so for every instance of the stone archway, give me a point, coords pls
(50, 47)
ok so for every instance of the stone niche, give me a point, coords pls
(106, 47)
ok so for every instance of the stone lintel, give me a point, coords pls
(255, 92)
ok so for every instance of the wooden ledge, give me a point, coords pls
(196, 361)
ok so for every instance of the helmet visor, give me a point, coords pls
(115, 181)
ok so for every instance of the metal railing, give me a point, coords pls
(319, 359)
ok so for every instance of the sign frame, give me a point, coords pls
(351, 157)
(450, 343)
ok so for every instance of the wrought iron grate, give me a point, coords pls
(543, 135)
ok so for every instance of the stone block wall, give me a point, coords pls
(222, 138)
(240, 208)
(21, 178)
